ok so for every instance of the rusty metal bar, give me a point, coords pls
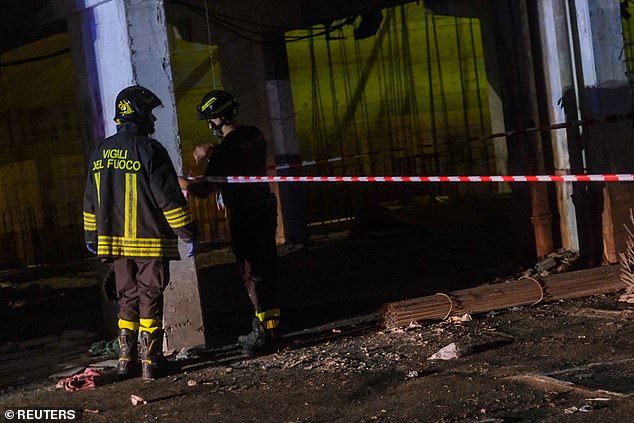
(521, 292)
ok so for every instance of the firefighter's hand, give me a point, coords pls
(202, 152)
(90, 246)
(183, 182)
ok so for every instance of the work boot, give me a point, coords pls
(265, 336)
(151, 354)
(128, 354)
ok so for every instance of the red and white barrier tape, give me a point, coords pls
(496, 178)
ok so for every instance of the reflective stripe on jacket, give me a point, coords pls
(133, 205)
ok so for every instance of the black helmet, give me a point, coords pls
(134, 104)
(218, 104)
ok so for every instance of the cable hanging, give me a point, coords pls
(211, 54)
(229, 23)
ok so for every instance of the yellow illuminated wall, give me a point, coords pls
(416, 88)
(41, 158)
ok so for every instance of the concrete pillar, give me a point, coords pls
(282, 112)
(264, 92)
(558, 77)
(513, 100)
(118, 43)
(541, 217)
(496, 38)
(183, 313)
(604, 90)
(495, 92)
(245, 84)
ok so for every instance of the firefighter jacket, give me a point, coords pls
(133, 205)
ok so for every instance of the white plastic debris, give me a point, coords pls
(412, 374)
(466, 318)
(186, 353)
(586, 408)
(136, 400)
(448, 352)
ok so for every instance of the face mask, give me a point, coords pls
(217, 129)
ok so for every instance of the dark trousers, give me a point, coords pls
(253, 238)
(140, 284)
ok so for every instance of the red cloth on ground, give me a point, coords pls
(84, 380)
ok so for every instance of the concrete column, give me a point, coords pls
(513, 100)
(558, 77)
(264, 92)
(282, 112)
(604, 90)
(151, 67)
(496, 46)
(245, 84)
(119, 43)
(97, 28)
(541, 217)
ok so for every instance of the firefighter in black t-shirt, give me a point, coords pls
(251, 207)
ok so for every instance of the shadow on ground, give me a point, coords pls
(397, 251)
(341, 277)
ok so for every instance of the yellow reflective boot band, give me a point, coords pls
(271, 323)
(273, 313)
(270, 318)
(127, 324)
(150, 325)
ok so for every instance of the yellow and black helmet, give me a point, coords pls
(218, 104)
(135, 104)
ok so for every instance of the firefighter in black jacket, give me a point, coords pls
(134, 210)
(252, 211)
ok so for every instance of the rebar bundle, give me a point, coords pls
(497, 296)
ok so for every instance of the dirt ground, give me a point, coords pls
(370, 374)
(570, 360)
